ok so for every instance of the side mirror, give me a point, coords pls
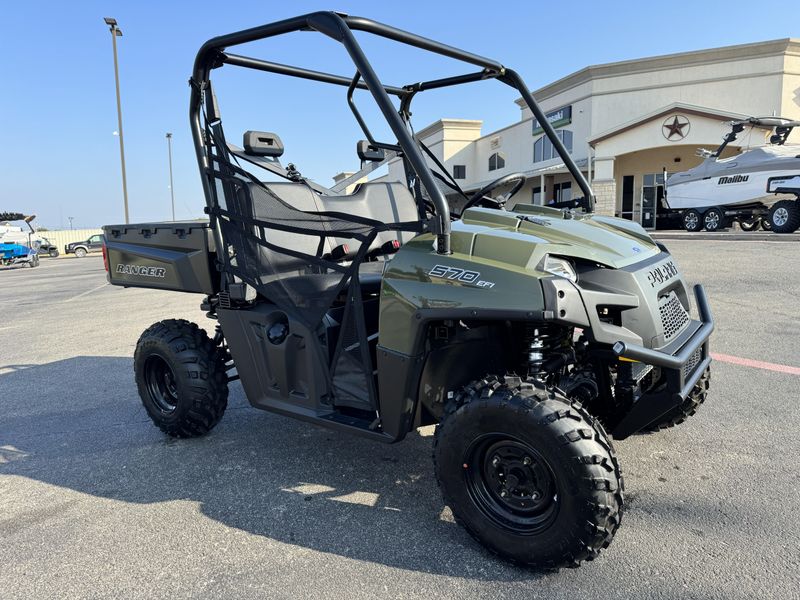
(262, 143)
(368, 153)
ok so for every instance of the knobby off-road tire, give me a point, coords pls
(784, 216)
(528, 473)
(688, 408)
(181, 378)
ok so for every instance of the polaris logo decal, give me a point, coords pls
(733, 179)
(141, 270)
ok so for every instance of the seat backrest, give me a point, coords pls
(264, 208)
(383, 202)
(387, 202)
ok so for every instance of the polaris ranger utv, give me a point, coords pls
(522, 335)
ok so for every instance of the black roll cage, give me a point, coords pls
(340, 27)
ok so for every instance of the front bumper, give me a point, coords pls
(681, 370)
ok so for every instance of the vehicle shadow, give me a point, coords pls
(83, 428)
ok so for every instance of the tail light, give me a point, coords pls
(105, 256)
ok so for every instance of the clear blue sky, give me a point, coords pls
(59, 157)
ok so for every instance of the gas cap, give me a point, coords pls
(277, 333)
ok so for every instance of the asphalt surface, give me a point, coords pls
(96, 502)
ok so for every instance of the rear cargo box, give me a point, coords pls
(167, 256)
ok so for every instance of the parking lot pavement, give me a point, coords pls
(96, 502)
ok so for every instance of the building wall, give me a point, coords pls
(759, 79)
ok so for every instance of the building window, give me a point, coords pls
(497, 161)
(536, 195)
(543, 148)
(563, 191)
(459, 171)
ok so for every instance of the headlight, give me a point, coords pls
(560, 267)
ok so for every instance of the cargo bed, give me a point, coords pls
(176, 256)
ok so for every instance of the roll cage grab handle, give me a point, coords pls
(340, 27)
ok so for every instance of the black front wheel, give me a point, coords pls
(685, 409)
(528, 473)
(181, 376)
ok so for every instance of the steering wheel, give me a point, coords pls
(482, 198)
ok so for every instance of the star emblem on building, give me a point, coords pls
(675, 127)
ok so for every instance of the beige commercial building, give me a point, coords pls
(626, 123)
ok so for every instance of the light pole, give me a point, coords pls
(70, 222)
(171, 188)
(115, 33)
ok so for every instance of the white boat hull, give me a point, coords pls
(725, 190)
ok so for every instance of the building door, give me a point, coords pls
(652, 194)
(626, 211)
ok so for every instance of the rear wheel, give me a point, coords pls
(528, 473)
(53, 252)
(713, 219)
(181, 377)
(784, 216)
(765, 224)
(692, 221)
(80, 252)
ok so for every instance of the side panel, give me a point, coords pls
(285, 374)
(414, 291)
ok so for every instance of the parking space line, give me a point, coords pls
(86, 293)
(756, 364)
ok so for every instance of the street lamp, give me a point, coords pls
(70, 222)
(115, 33)
(171, 188)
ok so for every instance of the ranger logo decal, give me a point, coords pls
(141, 270)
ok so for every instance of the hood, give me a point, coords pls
(523, 236)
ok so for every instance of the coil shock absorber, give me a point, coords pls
(544, 343)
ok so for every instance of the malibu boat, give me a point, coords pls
(751, 185)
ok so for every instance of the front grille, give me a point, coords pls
(673, 316)
(692, 363)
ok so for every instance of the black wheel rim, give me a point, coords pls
(511, 484)
(161, 385)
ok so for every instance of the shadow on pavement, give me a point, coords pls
(78, 424)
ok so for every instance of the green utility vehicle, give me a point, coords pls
(523, 335)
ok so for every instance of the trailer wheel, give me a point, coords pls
(751, 225)
(528, 473)
(181, 378)
(692, 220)
(713, 219)
(784, 216)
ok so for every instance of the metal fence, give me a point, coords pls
(62, 237)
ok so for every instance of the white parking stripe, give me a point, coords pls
(86, 293)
